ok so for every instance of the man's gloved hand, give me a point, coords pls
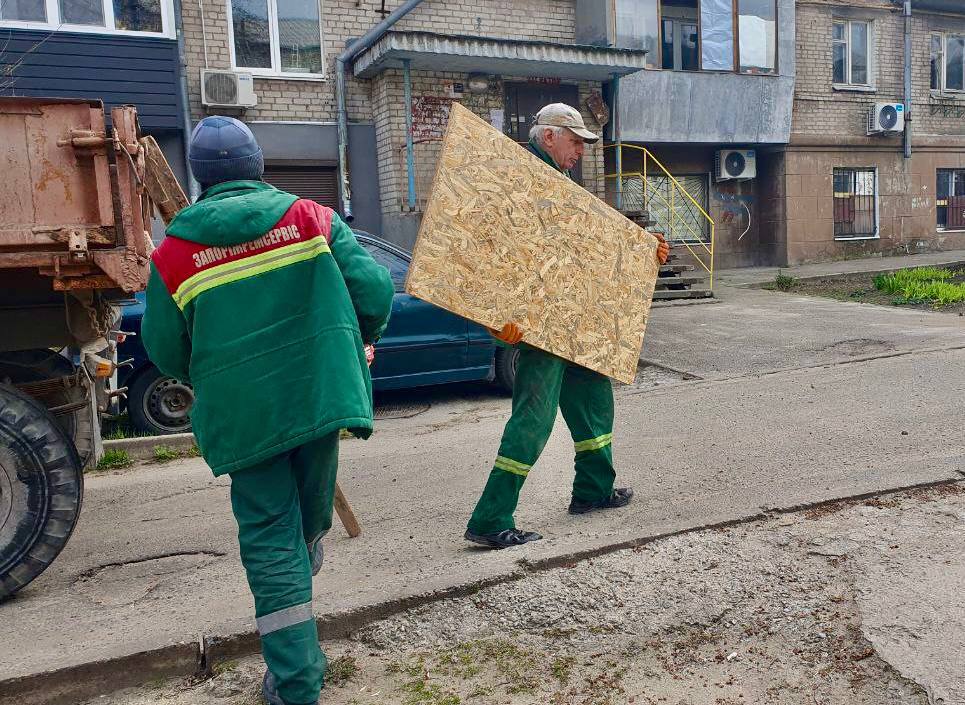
(663, 249)
(510, 334)
(369, 353)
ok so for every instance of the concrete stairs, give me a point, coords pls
(677, 279)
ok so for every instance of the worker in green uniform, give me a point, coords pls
(265, 302)
(545, 383)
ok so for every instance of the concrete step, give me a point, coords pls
(664, 294)
(668, 282)
(668, 269)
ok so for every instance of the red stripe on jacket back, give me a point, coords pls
(177, 259)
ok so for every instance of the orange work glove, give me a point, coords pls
(663, 249)
(510, 334)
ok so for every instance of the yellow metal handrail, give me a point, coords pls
(651, 192)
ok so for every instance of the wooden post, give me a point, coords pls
(346, 514)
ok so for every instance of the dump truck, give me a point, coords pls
(75, 218)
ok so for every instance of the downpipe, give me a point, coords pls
(343, 61)
(908, 118)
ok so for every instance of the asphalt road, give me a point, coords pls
(796, 401)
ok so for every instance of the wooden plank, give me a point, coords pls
(161, 184)
(507, 238)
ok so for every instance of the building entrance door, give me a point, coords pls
(523, 101)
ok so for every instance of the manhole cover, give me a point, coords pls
(400, 411)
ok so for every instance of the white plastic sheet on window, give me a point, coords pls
(757, 43)
(717, 35)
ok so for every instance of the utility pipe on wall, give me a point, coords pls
(193, 189)
(343, 61)
(618, 138)
(907, 136)
(409, 152)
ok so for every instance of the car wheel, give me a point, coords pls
(41, 489)
(505, 365)
(158, 404)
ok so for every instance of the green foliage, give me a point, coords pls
(922, 285)
(783, 282)
(114, 460)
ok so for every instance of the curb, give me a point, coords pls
(86, 681)
(142, 447)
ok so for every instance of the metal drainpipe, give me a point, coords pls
(618, 138)
(907, 14)
(345, 59)
(193, 189)
(409, 153)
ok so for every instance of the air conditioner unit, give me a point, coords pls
(227, 89)
(735, 164)
(885, 118)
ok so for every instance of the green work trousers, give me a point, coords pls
(545, 383)
(284, 505)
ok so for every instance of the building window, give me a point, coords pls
(680, 44)
(277, 37)
(638, 27)
(950, 199)
(855, 204)
(107, 16)
(947, 62)
(851, 53)
(757, 35)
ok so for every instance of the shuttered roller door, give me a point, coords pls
(318, 183)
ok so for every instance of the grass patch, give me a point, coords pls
(165, 454)
(341, 670)
(784, 282)
(928, 285)
(114, 460)
(561, 667)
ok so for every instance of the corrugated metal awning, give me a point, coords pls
(510, 57)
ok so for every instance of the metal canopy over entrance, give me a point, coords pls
(427, 51)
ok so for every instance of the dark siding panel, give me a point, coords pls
(317, 183)
(117, 70)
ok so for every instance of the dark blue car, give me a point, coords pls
(423, 345)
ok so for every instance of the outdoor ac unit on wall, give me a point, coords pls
(735, 164)
(227, 89)
(885, 118)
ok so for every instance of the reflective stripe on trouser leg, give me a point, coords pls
(535, 401)
(586, 400)
(265, 502)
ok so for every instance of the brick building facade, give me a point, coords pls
(845, 193)
(295, 117)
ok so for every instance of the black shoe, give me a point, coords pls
(619, 498)
(503, 539)
(269, 690)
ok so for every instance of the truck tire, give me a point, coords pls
(158, 404)
(38, 365)
(41, 489)
(505, 367)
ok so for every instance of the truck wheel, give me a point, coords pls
(505, 367)
(41, 489)
(158, 404)
(26, 367)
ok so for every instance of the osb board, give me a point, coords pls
(507, 238)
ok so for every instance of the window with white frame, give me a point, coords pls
(851, 53)
(277, 37)
(123, 16)
(948, 62)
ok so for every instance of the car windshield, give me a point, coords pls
(397, 266)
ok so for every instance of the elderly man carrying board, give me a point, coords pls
(544, 383)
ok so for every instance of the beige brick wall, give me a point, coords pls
(299, 100)
(821, 110)
(389, 114)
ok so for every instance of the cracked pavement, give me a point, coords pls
(797, 401)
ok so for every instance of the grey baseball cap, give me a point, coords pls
(562, 115)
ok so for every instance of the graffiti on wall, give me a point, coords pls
(430, 115)
(734, 208)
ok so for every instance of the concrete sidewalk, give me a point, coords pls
(792, 409)
(749, 276)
